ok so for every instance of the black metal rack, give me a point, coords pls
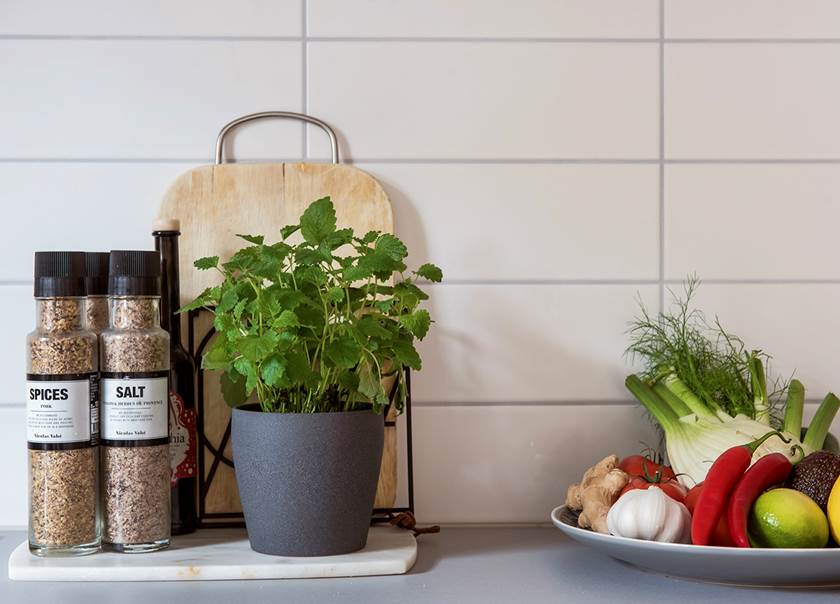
(205, 476)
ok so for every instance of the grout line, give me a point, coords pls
(138, 160)
(304, 52)
(492, 161)
(349, 39)
(748, 281)
(604, 402)
(18, 282)
(428, 160)
(487, 39)
(752, 40)
(573, 282)
(663, 282)
(826, 160)
(535, 403)
(550, 403)
(425, 160)
(147, 38)
(540, 282)
(415, 39)
(585, 160)
(661, 156)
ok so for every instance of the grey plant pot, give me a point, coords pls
(307, 481)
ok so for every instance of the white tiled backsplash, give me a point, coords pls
(559, 159)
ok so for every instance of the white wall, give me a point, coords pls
(556, 157)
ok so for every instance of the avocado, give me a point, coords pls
(815, 476)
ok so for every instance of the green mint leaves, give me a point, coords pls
(430, 272)
(390, 246)
(318, 221)
(316, 326)
(204, 264)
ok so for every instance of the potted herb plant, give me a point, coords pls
(310, 326)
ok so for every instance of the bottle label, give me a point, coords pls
(61, 411)
(134, 409)
(182, 439)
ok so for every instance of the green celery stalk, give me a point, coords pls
(675, 402)
(677, 387)
(759, 388)
(794, 405)
(651, 401)
(817, 430)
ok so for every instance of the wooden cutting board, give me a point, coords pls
(213, 204)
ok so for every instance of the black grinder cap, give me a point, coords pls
(59, 274)
(96, 275)
(134, 273)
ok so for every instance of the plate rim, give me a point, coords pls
(688, 547)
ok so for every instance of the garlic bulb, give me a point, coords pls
(650, 515)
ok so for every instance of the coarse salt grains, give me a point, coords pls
(135, 414)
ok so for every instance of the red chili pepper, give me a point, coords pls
(766, 472)
(721, 479)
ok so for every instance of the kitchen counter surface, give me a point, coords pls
(525, 565)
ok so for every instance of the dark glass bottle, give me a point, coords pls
(183, 440)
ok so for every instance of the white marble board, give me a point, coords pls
(218, 555)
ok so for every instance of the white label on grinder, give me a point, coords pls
(58, 412)
(135, 408)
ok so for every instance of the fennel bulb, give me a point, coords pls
(693, 442)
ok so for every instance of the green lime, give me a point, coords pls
(787, 518)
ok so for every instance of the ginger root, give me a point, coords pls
(597, 491)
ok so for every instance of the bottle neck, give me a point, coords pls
(166, 243)
(134, 312)
(56, 315)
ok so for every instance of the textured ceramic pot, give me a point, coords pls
(307, 481)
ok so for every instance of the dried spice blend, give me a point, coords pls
(61, 412)
(96, 289)
(135, 404)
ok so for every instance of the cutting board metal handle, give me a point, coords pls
(220, 140)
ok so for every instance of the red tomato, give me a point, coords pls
(637, 465)
(671, 488)
(693, 495)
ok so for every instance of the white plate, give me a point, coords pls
(742, 566)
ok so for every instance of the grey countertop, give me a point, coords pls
(523, 565)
